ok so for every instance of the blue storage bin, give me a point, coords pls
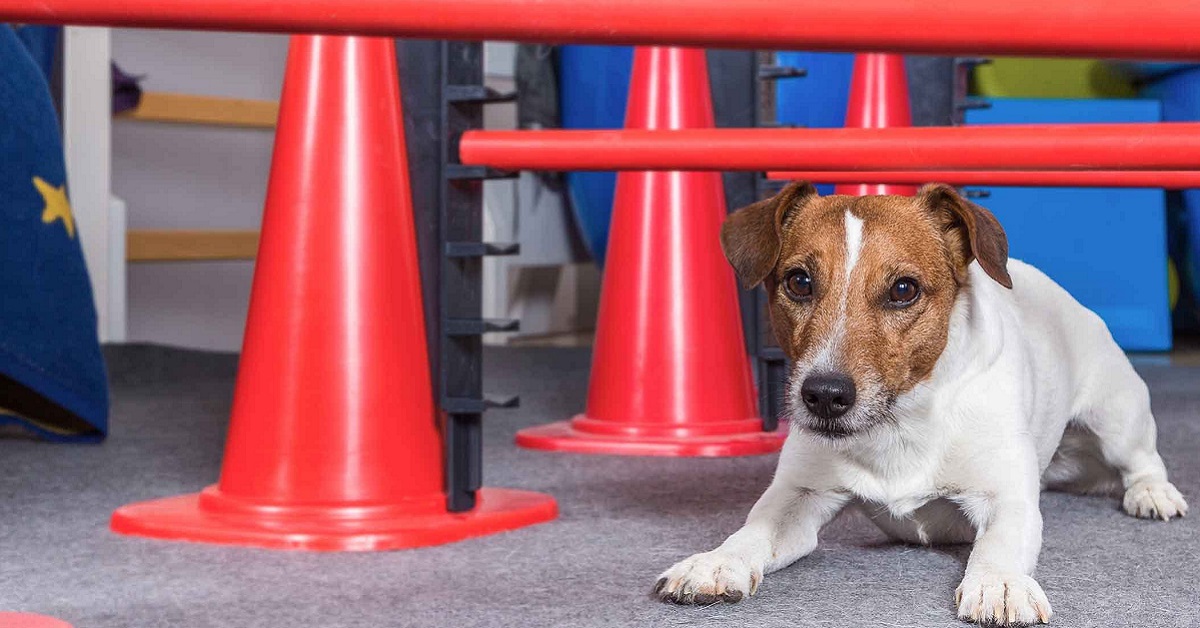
(1179, 93)
(819, 99)
(1106, 246)
(1151, 70)
(593, 88)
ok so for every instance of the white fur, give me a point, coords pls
(827, 355)
(854, 240)
(968, 454)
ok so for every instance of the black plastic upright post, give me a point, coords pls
(461, 282)
(961, 98)
(443, 95)
(742, 89)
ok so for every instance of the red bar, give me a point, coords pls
(1169, 179)
(1160, 146)
(1115, 28)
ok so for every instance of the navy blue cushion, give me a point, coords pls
(52, 376)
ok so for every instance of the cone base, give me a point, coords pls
(30, 620)
(183, 519)
(564, 437)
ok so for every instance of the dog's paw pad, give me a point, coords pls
(1155, 499)
(1002, 600)
(708, 578)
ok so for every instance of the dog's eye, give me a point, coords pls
(904, 291)
(798, 285)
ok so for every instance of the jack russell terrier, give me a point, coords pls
(935, 384)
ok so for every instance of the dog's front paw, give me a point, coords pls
(1002, 600)
(1155, 499)
(716, 576)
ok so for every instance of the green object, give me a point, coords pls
(1024, 77)
(1172, 283)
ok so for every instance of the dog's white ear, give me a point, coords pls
(971, 232)
(751, 235)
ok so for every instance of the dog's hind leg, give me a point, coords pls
(1079, 465)
(1123, 427)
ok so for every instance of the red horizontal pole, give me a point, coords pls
(1112, 28)
(1160, 146)
(1169, 179)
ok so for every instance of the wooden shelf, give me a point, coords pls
(205, 110)
(189, 245)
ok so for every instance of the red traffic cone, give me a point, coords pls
(878, 99)
(334, 442)
(670, 374)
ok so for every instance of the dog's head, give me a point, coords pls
(861, 291)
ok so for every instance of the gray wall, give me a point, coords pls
(188, 177)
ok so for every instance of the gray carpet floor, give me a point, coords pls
(622, 521)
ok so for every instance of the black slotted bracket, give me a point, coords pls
(743, 84)
(481, 249)
(777, 72)
(459, 172)
(444, 95)
(963, 101)
(477, 94)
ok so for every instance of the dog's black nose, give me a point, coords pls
(828, 395)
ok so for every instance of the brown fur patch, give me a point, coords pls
(750, 236)
(898, 345)
(971, 231)
(815, 241)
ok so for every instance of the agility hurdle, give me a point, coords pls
(919, 26)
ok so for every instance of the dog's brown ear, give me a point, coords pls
(971, 232)
(750, 236)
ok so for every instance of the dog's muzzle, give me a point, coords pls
(828, 396)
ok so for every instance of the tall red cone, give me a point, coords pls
(878, 99)
(670, 373)
(334, 442)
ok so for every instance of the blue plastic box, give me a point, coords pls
(1179, 92)
(1106, 246)
(819, 99)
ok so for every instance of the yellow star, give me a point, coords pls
(57, 206)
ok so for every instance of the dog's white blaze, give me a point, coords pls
(854, 236)
(826, 357)
(854, 232)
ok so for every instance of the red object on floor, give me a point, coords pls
(29, 620)
(878, 100)
(334, 442)
(670, 374)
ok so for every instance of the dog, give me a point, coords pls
(935, 384)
